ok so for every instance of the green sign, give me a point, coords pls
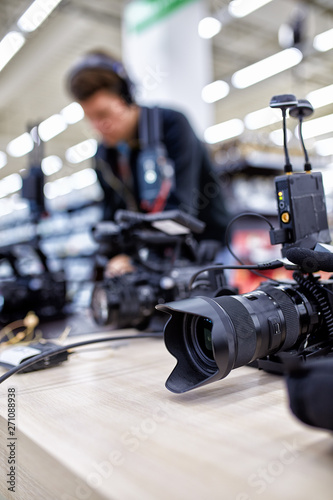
(140, 14)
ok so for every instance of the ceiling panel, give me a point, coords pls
(32, 84)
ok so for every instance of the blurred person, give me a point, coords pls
(100, 84)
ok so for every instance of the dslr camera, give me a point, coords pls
(164, 253)
(278, 321)
(29, 284)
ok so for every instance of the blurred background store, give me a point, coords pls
(194, 55)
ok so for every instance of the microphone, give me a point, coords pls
(311, 261)
(303, 109)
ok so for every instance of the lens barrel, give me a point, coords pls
(211, 336)
(121, 303)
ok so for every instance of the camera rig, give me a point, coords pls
(33, 287)
(278, 322)
(164, 253)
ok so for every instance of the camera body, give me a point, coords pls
(277, 322)
(129, 300)
(41, 290)
(211, 336)
(165, 257)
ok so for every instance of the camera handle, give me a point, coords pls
(312, 261)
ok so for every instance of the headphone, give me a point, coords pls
(155, 170)
(103, 61)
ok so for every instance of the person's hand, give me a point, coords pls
(121, 264)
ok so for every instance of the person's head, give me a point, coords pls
(100, 84)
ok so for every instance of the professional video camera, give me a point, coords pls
(29, 285)
(277, 321)
(164, 254)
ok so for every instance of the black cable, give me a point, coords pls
(51, 352)
(227, 243)
(302, 140)
(266, 265)
(288, 167)
(244, 214)
(307, 165)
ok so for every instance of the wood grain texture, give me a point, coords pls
(103, 427)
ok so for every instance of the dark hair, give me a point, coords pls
(98, 71)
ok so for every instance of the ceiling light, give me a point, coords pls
(266, 67)
(72, 113)
(51, 164)
(262, 118)
(10, 184)
(66, 185)
(223, 131)
(81, 151)
(324, 147)
(277, 136)
(318, 126)
(36, 14)
(324, 41)
(6, 207)
(20, 146)
(51, 127)
(209, 27)
(83, 178)
(57, 188)
(321, 97)
(241, 8)
(215, 91)
(3, 159)
(9, 45)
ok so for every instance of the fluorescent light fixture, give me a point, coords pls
(66, 185)
(57, 188)
(262, 118)
(72, 113)
(276, 136)
(20, 146)
(83, 178)
(318, 126)
(6, 207)
(9, 45)
(324, 41)
(81, 151)
(51, 164)
(36, 14)
(3, 159)
(209, 27)
(10, 184)
(324, 147)
(241, 8)
(266, 68)
(223, 131)
(321, 97)
(51, 127)
(215, 91)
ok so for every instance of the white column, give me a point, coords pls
(167, 59)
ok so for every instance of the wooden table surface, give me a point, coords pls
(102, 426)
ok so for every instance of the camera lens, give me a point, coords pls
(211, 336)
(202, 337)
(100, 305)
(198, 341)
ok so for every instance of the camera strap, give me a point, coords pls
(155, 171)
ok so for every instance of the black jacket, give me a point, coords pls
(196, 191)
